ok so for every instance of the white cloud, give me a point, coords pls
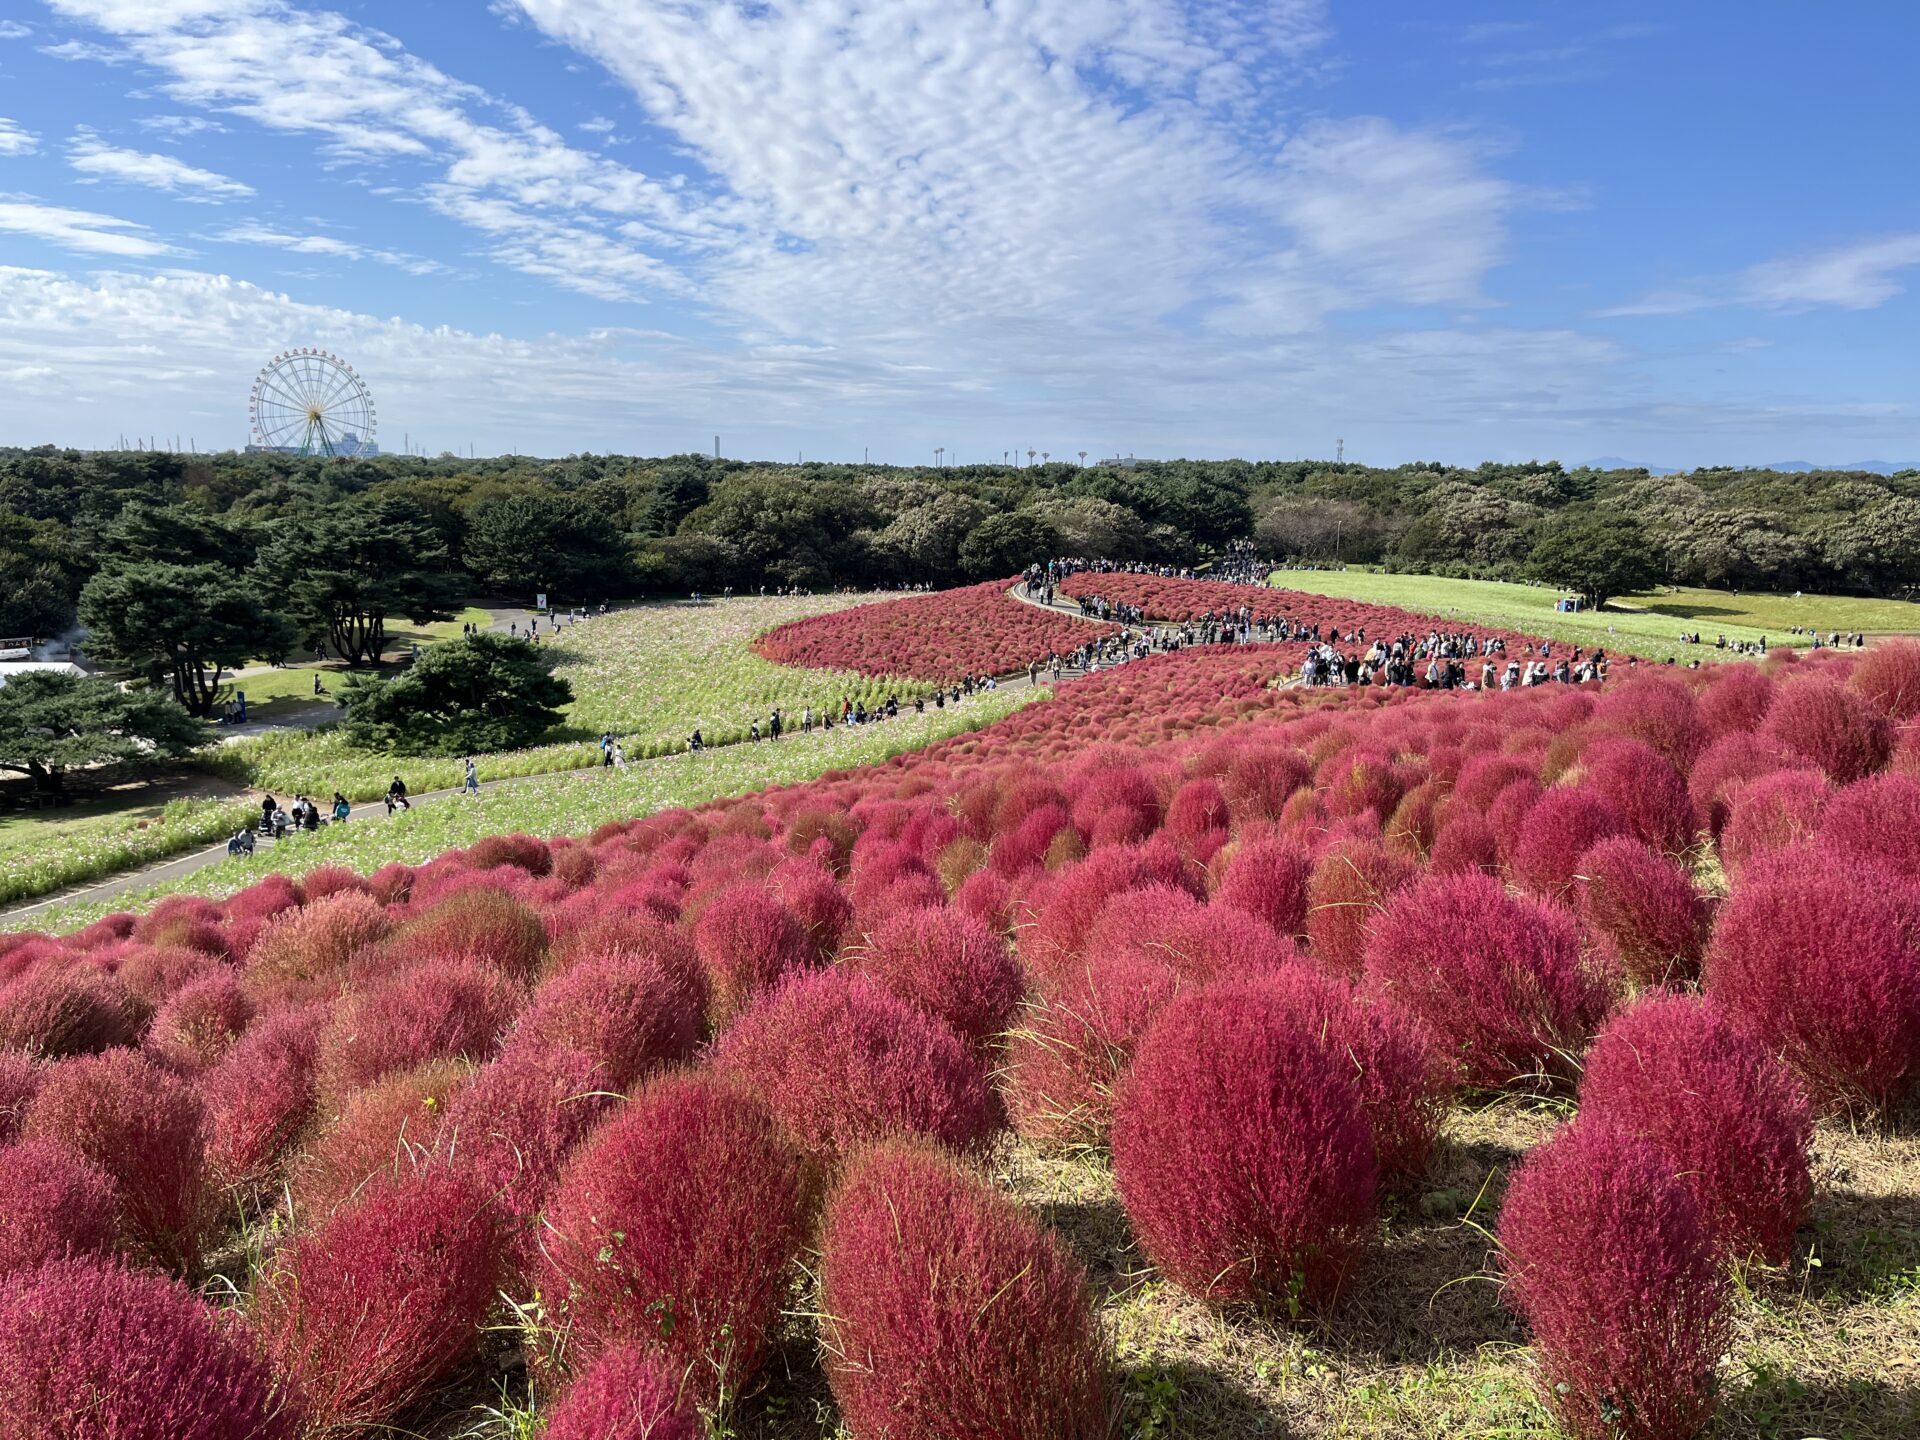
(327, 245)
(181, 127)
(14, 30)
(94, 159)
(77, 229)
(598, 125)
(15, 140)
(84, 50)
(1862, 275)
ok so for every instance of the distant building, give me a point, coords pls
(348, 447)
(1119, 462)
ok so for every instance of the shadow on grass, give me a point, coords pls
(1770, 1405)
(1195, 1400)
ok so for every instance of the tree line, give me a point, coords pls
(272, 551)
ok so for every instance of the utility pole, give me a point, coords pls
(716, 447)
(1340, 451)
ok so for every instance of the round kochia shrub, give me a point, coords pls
(839, 1061)
(1242, 1153)
(948, 1311)
(1818, 959)
(376, 1307)
(1069, 1051)
(1565, 824)
(317, 941)
(53, 1205)
(629, 1011)
(430, 1012)
(1608, 1261)
(386, 1129)
(1268, 878)
(1875, 819)
(145, 1128)
(950, 965)
(748, 941)
(485, 927)
(1730, 1119)
(1830, 725)
(53, 1013)
(1888, 677)
(1498, 979)
(1643, 910)
(20, 1077)
(672, 1230)
(260, 1099)
(89, 1350)
(626, 1394)
(1349, 885)
(199, 1023)
(1770, 814)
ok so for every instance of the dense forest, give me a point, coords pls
(294, 534)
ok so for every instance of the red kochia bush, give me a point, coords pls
(626, 1394)
(89, 1351)
(1608, 1261)
(317, 941)
(431, 1012)
(145, 1128)
(1730, 1119)
(20, 1077)
(1818, 959)
(1875, 819)
(53, 1205)
(484, 926)
(838, 1061)
(672, 1230)
(386, 1129)
(1643, 910)
(1069, 1053)
(1498, 979)
(51, 1013)
(947, 1310)
(1832, 726)
(1242, 1154)
(1649, 793)
(375, 1308)
(628, 1011)
(949, 965)
(261, 1097)
(1888, 677)
(748, 941)
(1349, 885)
(1268, 878)
(199, 1023)
(1770, 814)
(1565, 824)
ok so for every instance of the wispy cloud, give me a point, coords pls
(80, 230)
(181, 127)
(84, 50)
(327, 245)
(14, 30)
(15, 139)
(94, 159)
(1861, 275)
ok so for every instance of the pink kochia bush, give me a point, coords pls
(378, 1305)
(145, 1128)
(672, 1230)
(53, 1205)
(260, 1099)
(627, 1394)
(1608, 1261)
(628, 1011)
(89, 1351)
(748, 941)
(839, 1061)
(1499, 980)
(951, 966)
(1069, 1051)
(1643, 910)
(199, 1023)
(1823, 721)
(1242, 1152)
(432, 1012)
(948, 1311)
(53, 1013)
(1730, 1119)
(1818, 959)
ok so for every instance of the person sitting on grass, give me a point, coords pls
(695, 744)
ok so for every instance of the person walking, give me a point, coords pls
(341, 809)
(472, 783)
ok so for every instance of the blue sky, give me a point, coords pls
(1685, 234)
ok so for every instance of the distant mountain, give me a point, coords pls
(1786, 467)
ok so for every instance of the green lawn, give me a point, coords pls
(573, 803)
(1648, 625)
(46, 850)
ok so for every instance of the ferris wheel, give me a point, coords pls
(311, 402)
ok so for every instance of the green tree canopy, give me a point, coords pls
(182, 624)
(1004, 545)
(553, 543)
(463, 697)
(1597, 554)
(177, 535)
(50, 723)
(341, 571)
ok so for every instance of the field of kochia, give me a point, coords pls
(1180, 1054)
